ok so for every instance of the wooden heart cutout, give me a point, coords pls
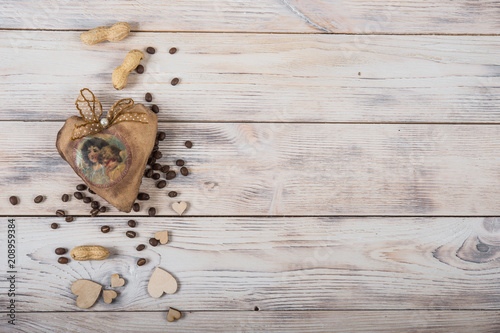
(116, 281)
(87, 291)
(162, 236)
(108, 296)
(179, 207)
(173, 314)
(161, 281)
(112, 161)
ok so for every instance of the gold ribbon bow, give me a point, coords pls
(91, 110)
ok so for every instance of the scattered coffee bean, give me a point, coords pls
(155, 108)
(90, 191)
(87, 200)
(136, 207)
(139, 69)
(54, 225)
(172, 50)
(60, 213)
(161, 184)
(38, 199)
(63, 260)
(78, 195)
(156, 166)
(165, 168)
(148, 97)
(94, 212)
(143, 196)
(130, 234)
(188, 144)
(65, 198)
(150, 160)
(151, 50)
(156, 176)
(141, 262)
(174, 81)
(95, 204)
(132, 223)
(103, 209)
(161, 136)
(179, 162)
(81, 187)
(149, 173)
(60, 251)
(14, 200)
(69, 218)
(140, 247)
(157, 143)
(152, 211)
(172, 194)
(157, 155)
(105, 229)
(184, 171)
(171, 175)
(153, 242)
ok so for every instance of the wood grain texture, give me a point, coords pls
(309, 16)
(273, 263)
(264, 321)
(281, 169)
(269, 78)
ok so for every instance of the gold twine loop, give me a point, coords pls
(91, 111)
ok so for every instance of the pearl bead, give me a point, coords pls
(104, 122)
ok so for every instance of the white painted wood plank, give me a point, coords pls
(264, 321)
(351, 16)
(282, 169)
(272, 263)
(245, 77)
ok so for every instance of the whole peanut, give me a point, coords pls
(121, 72)
(89, 252)
(114, 33)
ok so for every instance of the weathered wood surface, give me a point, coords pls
(264, 321)
(311, 16)
(282, 169)
(273, 263)
(261, 77)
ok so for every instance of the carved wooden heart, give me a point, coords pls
(112, 161)
(87, 292)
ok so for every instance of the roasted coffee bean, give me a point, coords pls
(179, 162)
(105, 229)
(139, 69)
(157, 142)
(172, 50)
(152, 211)
(14, 200)
(81, 187)
(60, 213)
(65, 198)
(78, 195)
(90, 191)
(165, 168)
(184, 171)
(87, 199)
(150, 161)
(148, 97)
(156, 176)
(63, 260)
(54, 225)
(172, 194)
(141, 262)
(143, 196)
(155, 149)
(174, 81)
(140, 247)
(130, 234)
(131, 223)
(95, 204)
(170, 175)
(161, 136)
(94, 212)
(38, 199)
(153, 242)
(149, 173)
(188, 144)
(69, 218)
(157, 154)
(155, 108)
(156, 166)
(103, 209)
(136, 207)
(60, 251)
(151, 50)
(161, 184)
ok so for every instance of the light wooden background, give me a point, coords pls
(345, 168)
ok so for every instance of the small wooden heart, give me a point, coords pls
(161, 281)
(179, 207)
(173, 314)
(108, 296)
(162, 236)
(116, 281)
(87, 291)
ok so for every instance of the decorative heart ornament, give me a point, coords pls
(108, 296)
(109, 154)
(162, 236)
(173, 314)
(161, 281)
(87, 291)
(117, 281)
(179, 207)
